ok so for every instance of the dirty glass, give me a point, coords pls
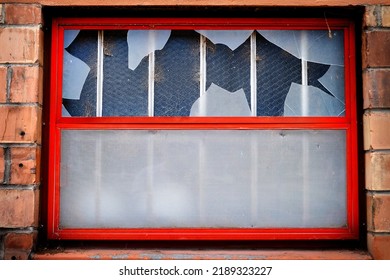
(186, 178)
(166, 72)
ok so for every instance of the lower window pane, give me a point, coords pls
(203, 179)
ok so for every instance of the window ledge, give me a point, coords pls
(116, 254)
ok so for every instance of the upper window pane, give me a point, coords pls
(203, 73)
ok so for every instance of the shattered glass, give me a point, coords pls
(125, 91)
(217, 101)
(185, 178)
(84, 49)
(229, 69)
(177, 75)
(230, 38)
(143, 42)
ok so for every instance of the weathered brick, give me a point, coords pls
(26, 84)
(2, 164)
(18, 208)
(378, 212)
(3, 84)
(16, 254)
(20, 124)
(386, 16)
(21, 44)
(22, 14)
(379, 246)
(21, 241)
(376, 88)
(370, 18)
(25, 165)
(375, 48)
(376, 126)
(377, 171)
(1, 14)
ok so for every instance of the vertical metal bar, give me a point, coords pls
(253, 75)
(202, 70)
(99, 86)
(305, 83)
(151, 84)
(201, 151)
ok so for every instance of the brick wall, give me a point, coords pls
(21, 44)
(376, 94)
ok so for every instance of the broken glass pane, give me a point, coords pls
(278, 69)
(217, 101)
(143, 42)
(229, 69)
(75, 72)
(318, 46)
(177, 75)
(333, 81)
(83, 54)
(125, 91)
(203, 178)
(311, 101)
(230, 38)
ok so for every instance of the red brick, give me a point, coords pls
(379, 246)
(370, 17)
(3, 84)
(21, 241)
(375, 49)
(377, 171)
(21, 44)
(386, 16)
(26, 84)
(376, 126)
(22, 14)
(376, 88)
(18, 208)
(378, 212)
(16, 254)
(2, 165)
(25, 165)
(20, 124)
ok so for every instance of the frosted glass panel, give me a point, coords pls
(199, 178)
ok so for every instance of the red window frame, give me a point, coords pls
(57, 123)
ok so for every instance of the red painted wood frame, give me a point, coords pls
(57, 123)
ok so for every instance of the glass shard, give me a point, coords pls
(69, 37)
(311, 101)
(65, 112)
(333, 81)
(231, 38)
(143, 42)
(217, 101)
(75, 73)
(311, 45)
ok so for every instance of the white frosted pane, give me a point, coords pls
(311, 101)
(333, 80)
(217, 101)
(311, 45)
(69, 37)
(143, 42)
(75, 72)
(231, 38)
(202, 178)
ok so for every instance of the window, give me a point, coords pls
(202, 129)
